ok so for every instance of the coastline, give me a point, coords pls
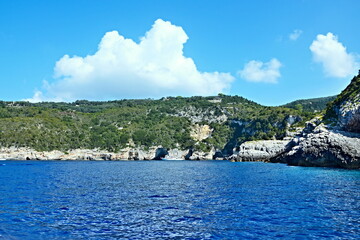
(315, 146)
(127, 154)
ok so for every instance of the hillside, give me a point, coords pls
(311, 105)
(199, 123)
(344, 111)
(331, 141)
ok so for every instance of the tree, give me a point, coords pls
(299, 107)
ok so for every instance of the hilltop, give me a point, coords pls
(311, 105)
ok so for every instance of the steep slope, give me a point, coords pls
(333, 142)
(344, 111)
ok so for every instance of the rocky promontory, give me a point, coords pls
(316, 146)
(323, 148)
(332, 140)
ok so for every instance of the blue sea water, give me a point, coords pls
(176, 200)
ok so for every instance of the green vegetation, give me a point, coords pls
(311, 105)
(114, 125)
(348, 94)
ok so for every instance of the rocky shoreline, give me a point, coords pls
(323, 148)
(259, 151)
(330, 140)
(316, 146)
(153, 153)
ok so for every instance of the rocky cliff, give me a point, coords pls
(153, 153)
(323, 148)
(333, 141)
(344, 111)
(349, 114)
(316, 146)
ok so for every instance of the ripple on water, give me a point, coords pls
(169, 199)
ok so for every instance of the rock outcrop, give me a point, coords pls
(334, 145)
(200, 132)
(348, 110)
(259, 150)
(323, 148)
(153, 153)
(197, 115)
(349, 114)
(176, 154)
(317, 145)
(344, 111)
(199, 155)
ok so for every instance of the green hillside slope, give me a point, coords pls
(311, 105)
(168, 122)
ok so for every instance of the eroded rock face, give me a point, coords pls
(260, 150)
(349, 114)
(177, 154)
(199, 115)
(292, 119)
(200, 132)
(153, 153)
(77, 154)
(323, 148)
(23, 153)
(199, 155)
(160, 153)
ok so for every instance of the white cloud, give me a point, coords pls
(295, 34)
(257, 71)
(38, 97)
(122, 68)
(332, 54)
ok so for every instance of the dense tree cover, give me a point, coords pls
(310, 105)
(167, 122)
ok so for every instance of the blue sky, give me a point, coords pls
(271, 52)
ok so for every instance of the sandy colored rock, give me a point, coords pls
(200, 132)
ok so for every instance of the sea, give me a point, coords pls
(176, 200)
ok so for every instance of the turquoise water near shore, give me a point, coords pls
(176, 200)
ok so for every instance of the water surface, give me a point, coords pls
(176, 200)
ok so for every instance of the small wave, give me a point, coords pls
(159, 196)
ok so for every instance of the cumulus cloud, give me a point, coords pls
(257, 71)
(38, 97)
(295, 34)
(122, 68)
(332, 54)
